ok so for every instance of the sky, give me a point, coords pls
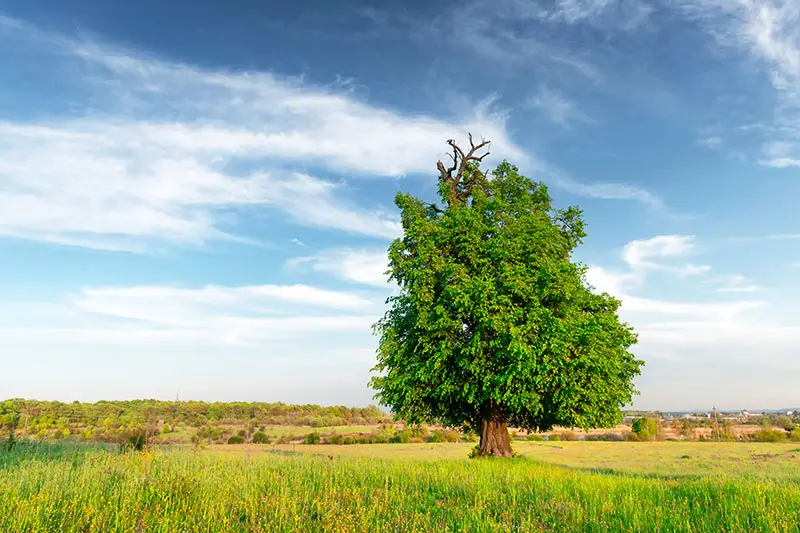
(196, 198)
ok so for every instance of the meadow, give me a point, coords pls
(566, 486)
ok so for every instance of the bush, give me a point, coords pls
(645, 428)
(242, 433)
(554, 436)
(614, 437)
(533, 437)
(769, 435)
(259, 437)
(469, 437)
(403, 437)
(436, 436)
(568, 435)
(313, 438)
(795, 434)
(335, 439)
(451, 436)
(236, 439)
(136, 441)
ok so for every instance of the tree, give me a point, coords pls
(645, 428)
(494, 324)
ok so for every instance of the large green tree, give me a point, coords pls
(495, 324)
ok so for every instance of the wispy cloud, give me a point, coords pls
(556, 107)
(713, 141)
(607, 191)
(357, 265)
(681, 329)
(654, 254)
(769, 31)
(219, 315)
(664, 253)
(736, 283)
(175, 149)
(609, 14)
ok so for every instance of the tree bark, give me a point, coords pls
(494, 438)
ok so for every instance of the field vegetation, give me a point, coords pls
(564, 486)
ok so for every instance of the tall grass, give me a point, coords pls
(65, 489)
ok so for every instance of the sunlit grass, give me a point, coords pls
(67, 489)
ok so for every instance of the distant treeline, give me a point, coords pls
(46, 418)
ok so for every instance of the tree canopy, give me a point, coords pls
(494, 323)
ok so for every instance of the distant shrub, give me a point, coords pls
(795, 434)
(236, 439)
(610, 436)
(259, 437)
(136, 441)
(554, 436)
(769, 435)
(242, 433)
(533, 437)
(469, 437)
(451, 436)
(645, 428)
(403, 436)
(313, 438)
(349, 440)
(380, 438)
(335, 439)
(436, 436)
(568, 436)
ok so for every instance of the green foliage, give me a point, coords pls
(313, 438)
(259, 437)
(769, 435)
(494, 319)
(402, 436)
(235, 439)
(554, 436)
(135, 441)
(645, 428)
(534, 437)
(68, 488)
(110, 419)
(436, 436)
(795, 434)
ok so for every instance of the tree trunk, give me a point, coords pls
(494, 438)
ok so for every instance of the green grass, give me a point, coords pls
(424, 488)
(757, 461)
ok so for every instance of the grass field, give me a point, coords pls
(417, 487)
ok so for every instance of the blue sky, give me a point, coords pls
(196, 199)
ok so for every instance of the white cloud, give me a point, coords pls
(650, 254)
(769, 31)
(780, 162)
(607, 191)
(609, 14)
(556, 107)
(117, 186)
(737, 283)
(172, 152)
(710, 142)
(684, 330)
(358, 265)
(613, 283)
(255, 315)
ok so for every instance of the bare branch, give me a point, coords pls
(460, 162)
